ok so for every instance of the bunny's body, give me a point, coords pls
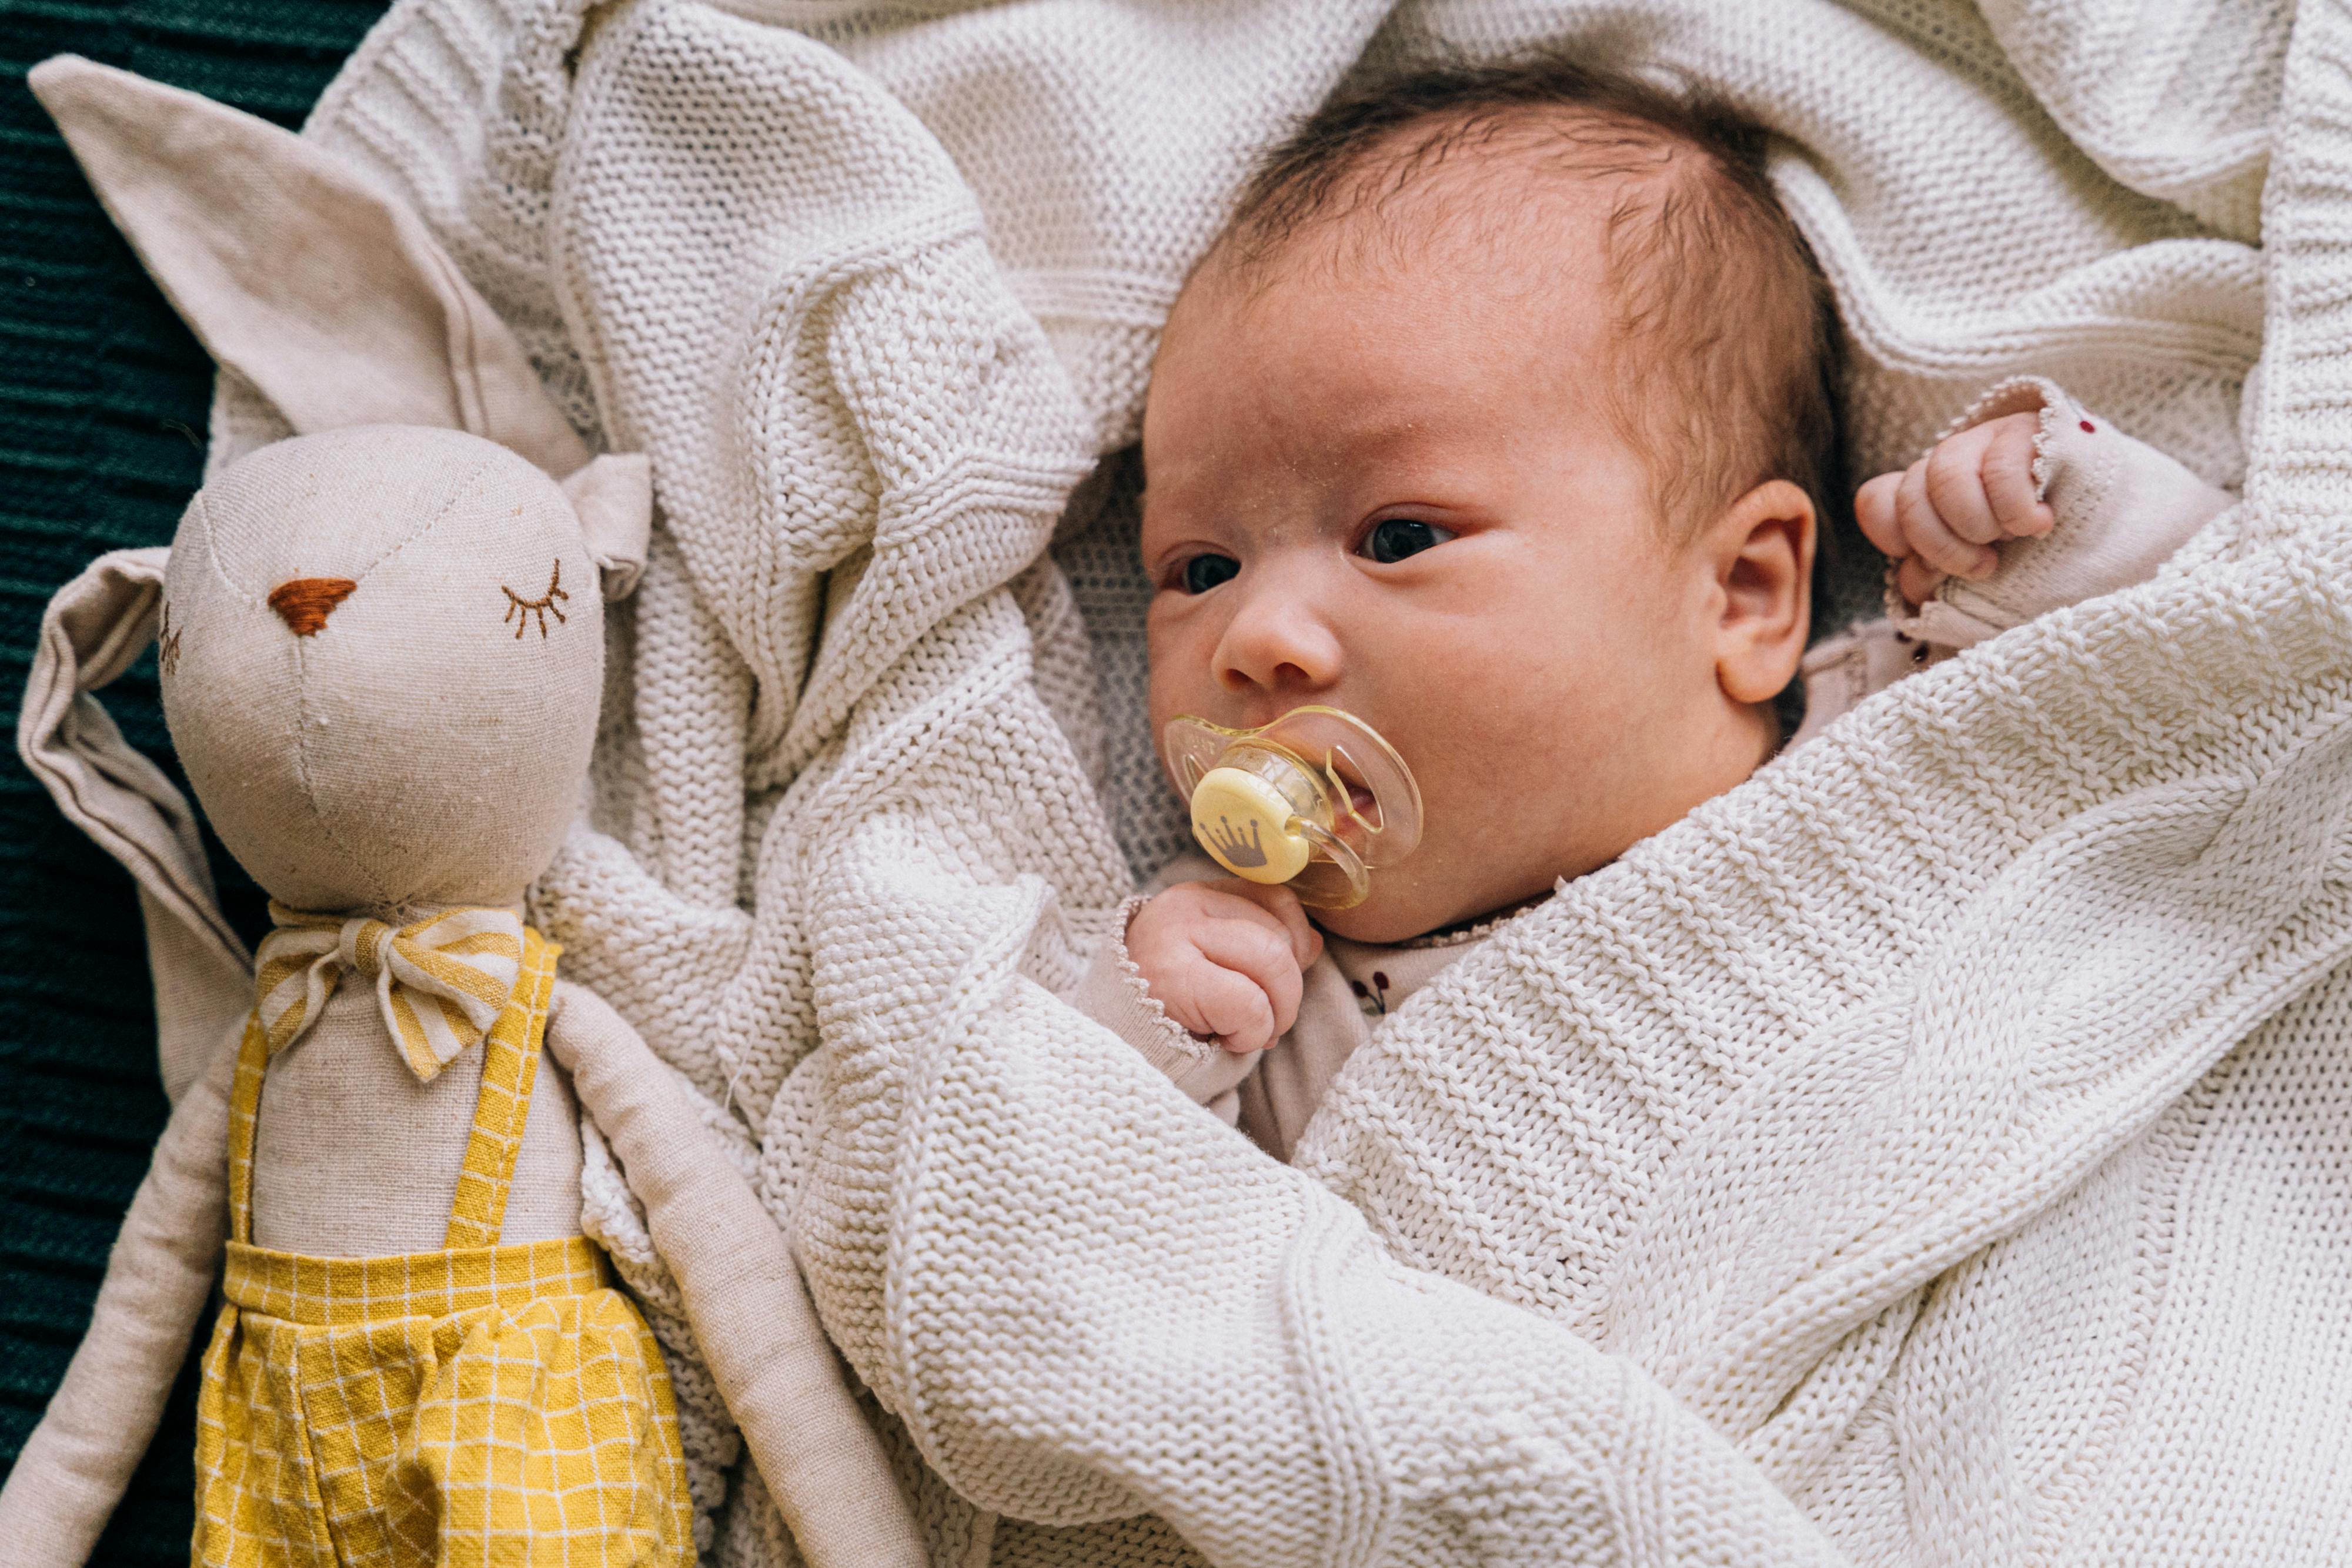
(401, 1370)
(382, 655)
(486, 1398)
(409, 1376)
(341, 1114)
(284, 717)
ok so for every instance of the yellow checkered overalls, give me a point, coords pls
(480, 1404)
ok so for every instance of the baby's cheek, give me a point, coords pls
(1551, 730)
(1179, 651)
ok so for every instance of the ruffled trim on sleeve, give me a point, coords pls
(1115, 993)
(2122, 509)
(1935, 623)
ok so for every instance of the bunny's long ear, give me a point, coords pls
(92, 630)
(332, 298)
(613, 496)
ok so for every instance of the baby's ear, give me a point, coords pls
(1761, 552)
(332, 297)
(614, 497)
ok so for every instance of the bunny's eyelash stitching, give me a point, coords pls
(520, 610)
(167, 646)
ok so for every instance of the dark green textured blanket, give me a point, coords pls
(102, 407)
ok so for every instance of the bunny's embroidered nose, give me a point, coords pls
(305, 603)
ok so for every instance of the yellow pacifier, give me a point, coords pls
(1316, 799)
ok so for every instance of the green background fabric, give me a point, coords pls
(102, 408)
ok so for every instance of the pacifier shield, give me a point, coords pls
(1246, 826)
(1316, 799)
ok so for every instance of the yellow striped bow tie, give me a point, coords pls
(441, 982)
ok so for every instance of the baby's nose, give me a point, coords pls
(305, 603)
(1285, 676)
(1278, 644)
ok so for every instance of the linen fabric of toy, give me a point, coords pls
(1926, 1153)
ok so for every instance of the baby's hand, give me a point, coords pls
(1942, 516)
(1225, 959)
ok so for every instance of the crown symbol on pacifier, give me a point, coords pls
(1316, 799)
(1231, 850)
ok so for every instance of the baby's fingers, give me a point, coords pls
(1873, 512)
(1928, 536)
(1306, 941)
(1208, 998)
(1261, 954)
(1955, 488)
(1916, 581)
(2009, 486)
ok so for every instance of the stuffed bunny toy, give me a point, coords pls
(380, 649)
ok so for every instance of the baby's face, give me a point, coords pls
(1391, 485)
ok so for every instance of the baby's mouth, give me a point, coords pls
(1360, 802)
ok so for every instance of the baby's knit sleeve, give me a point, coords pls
(2122, 509)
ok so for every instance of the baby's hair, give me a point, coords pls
(1722, 306)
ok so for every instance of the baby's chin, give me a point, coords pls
(1400, 909)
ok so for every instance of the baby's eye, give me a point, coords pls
(1393, 538)
(1203, 572)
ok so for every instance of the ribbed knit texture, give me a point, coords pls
(1930, 1152)
(102, 398)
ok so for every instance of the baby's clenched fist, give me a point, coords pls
(1942, 516)
(1225, 959)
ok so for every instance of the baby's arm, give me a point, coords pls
(2032, 505)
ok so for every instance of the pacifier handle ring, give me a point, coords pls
(1342, 792)
(1337, 853)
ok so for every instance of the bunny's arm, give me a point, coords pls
(159, 1277)
(751, 1311)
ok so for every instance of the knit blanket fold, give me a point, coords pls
(1851, 1173)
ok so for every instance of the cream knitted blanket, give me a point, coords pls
(1936, 1150)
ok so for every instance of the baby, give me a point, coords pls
(1500, 418)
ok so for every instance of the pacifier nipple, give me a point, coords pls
(1316, 799)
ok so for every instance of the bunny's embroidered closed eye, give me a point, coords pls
(523, 611)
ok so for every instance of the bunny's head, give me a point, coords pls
(382, 639)
(382, 651)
